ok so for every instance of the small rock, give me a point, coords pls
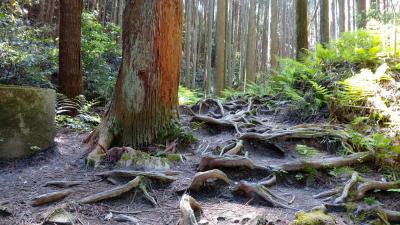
(125, 218)
(314, 217)
(203, 222)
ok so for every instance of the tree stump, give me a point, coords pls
(26, 120)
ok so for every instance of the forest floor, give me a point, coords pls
(24, 179)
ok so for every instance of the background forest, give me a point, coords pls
(325, 72)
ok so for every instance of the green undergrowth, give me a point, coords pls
(175, 131)
(83, 118)
(188, 97)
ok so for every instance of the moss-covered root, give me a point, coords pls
(317, 217)
(188, 206)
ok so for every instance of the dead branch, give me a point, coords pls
(202, 177)
(372, 185)
(188, 206)
(50, 197)
(162, 176)
(356, 158)
(63, 183)
(256, 190)
(115, 192)
(346, 189)
(213, 162)
(235, 150)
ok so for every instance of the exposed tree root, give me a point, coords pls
(327, 193)
(346, 189)
(162, 176)
(269, 181)
(393, 216)
(50, 197)
(236, 149)
(147, 195)
(202, 177)
(213, 162)
(356, 158)
(188, 206)
(115, 192)
(213, 121)
(63, 183)
(256, 190)
(373, 185)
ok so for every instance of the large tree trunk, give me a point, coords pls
(70, 66)
(251, 44)
(220, 46)
(324, 21)
(274, 54)
(145, 98)
(301, 27)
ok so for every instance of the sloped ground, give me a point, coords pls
(24, 179)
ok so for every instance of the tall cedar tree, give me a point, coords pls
(251, 44)
(275, 42)
(324, 21)
(220, 46)
(70, 66)
(145, 98)
(361, 14)
(301, 27)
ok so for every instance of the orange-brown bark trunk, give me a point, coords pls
(145, 99)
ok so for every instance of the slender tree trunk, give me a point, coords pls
(145, 98)
(361, 14)
(265, 41)
(188, 42)
(70, 67)
(333, 21)
(220, 46)
(348, 15)
(195, 42)
(342, 17)
(274, 54)
(208, 73)
(251, 44)
(301, 27)
(324, 21)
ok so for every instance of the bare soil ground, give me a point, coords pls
(23, 179)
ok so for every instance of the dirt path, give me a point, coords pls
(24, 179)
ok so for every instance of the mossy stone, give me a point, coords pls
(26, 120)
(317, 217)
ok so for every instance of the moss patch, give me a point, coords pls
(313, 218)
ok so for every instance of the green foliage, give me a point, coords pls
(101, 55)
(86, 119)
(340, 171)
(175, 131)
(187, 96)
(370, 201)
(28, 54)
(306, 150)
(360, 47)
